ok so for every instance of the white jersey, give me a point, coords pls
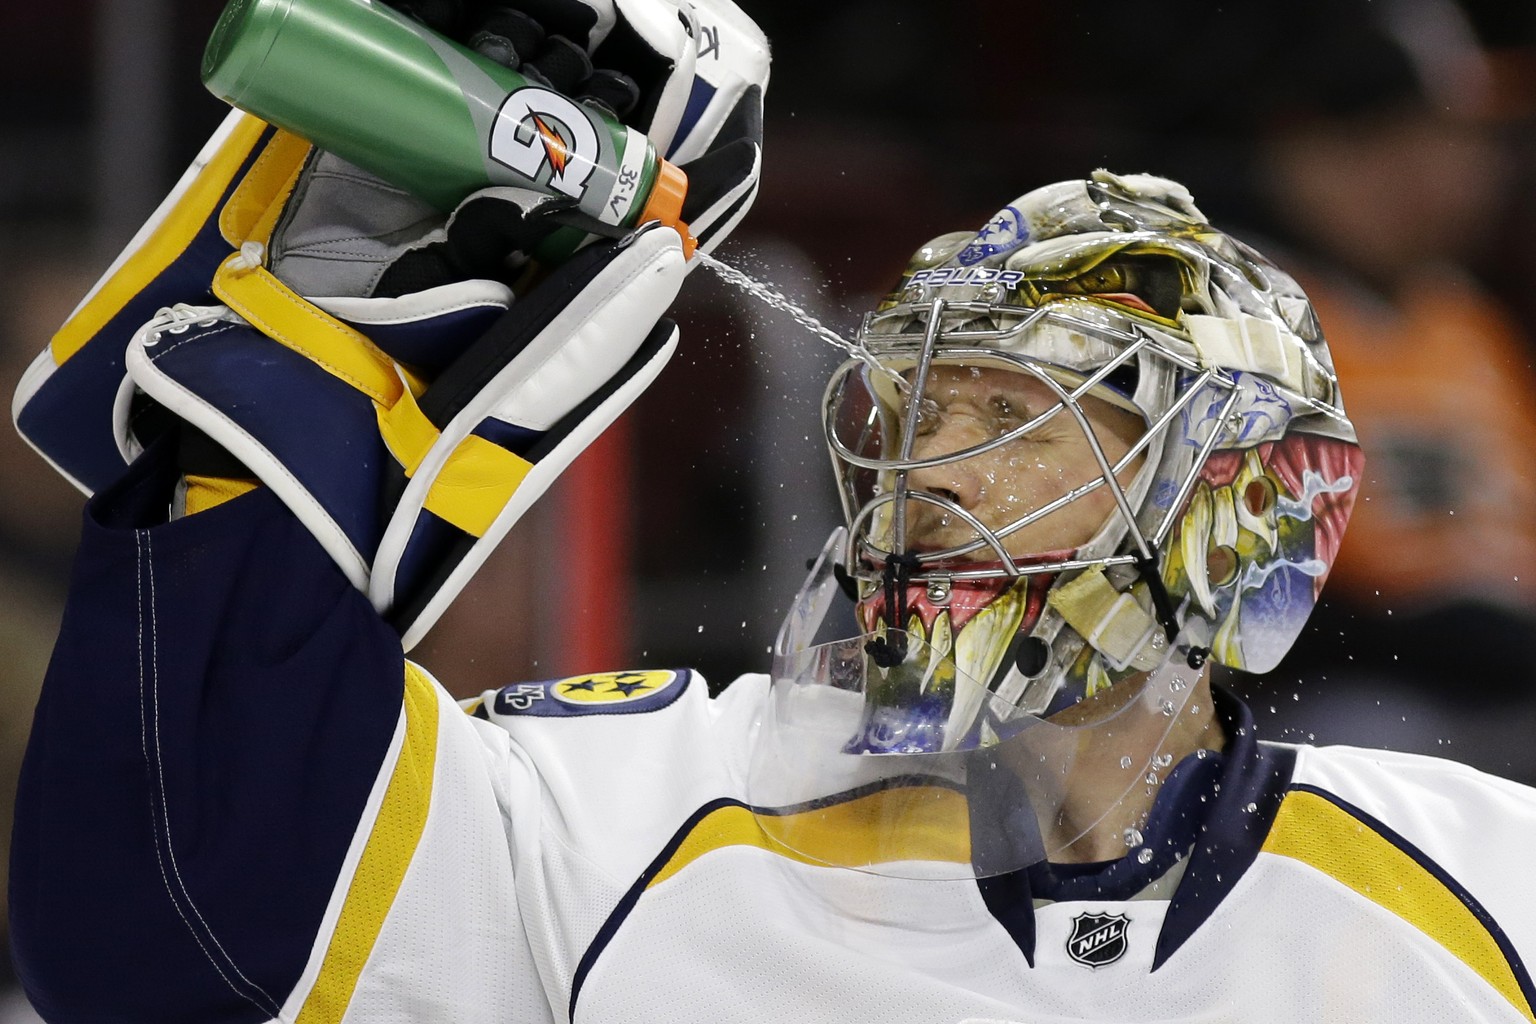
(583, 850)
(240, 804)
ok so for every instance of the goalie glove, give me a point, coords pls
(698, 74)
(233, 191)
(689, 75)
(409, 486)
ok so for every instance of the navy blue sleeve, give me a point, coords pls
(218, 706)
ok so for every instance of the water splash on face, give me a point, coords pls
(779, 301)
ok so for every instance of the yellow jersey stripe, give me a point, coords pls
(167, 242)
(1317, 831)
(910, 823)
(391, 844)
(475, 484)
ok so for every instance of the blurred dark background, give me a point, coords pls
(1383, 151)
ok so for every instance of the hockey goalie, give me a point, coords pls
(1091, 449)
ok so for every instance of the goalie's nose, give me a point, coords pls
(960, 481)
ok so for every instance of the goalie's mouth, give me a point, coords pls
(962, 600)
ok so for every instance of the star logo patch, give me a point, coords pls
(610, 687)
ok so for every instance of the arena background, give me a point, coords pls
(1383, 148)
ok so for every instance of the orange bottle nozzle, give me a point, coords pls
(665, 203)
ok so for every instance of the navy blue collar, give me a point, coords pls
(1172, 827)
(1217, 808)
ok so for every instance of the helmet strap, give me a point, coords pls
(890, 649)
(1162, 603)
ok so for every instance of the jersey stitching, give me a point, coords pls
(139, 539)
(165, 817)
(161, 820)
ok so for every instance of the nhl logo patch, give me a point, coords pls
(1098, 939)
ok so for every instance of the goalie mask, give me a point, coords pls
(1211, 473)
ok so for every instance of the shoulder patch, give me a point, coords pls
(601, 693)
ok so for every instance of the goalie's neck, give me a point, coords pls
(1083, 833)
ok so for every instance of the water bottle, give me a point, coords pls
(429, 115)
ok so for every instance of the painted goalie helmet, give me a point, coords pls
(1222, 510)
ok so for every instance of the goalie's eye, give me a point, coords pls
(1150, 284)
(928, 416)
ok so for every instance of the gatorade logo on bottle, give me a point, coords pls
(536, 128)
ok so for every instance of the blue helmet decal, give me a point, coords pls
(1005, 232)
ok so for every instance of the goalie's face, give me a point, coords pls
(965, 407)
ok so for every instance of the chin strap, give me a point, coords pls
(890, 650)
(1146, 568)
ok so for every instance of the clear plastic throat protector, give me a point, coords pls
(1010, 790)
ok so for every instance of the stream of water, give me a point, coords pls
(777, 300)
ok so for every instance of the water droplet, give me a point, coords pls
(1151, 778)
(1133, 838)
(1251, 808)
(1168, 708)
(1144, 857)
(1125, 762)
(1177, 684)
(1163, 760)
